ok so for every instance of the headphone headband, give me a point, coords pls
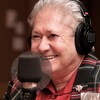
(84, 36)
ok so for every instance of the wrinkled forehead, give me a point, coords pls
(58, 11)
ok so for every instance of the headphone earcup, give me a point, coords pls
(84, 39)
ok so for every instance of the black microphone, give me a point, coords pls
(29, 74)
(29, 68)
(34, 72)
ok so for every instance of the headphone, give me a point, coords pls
(84, 35)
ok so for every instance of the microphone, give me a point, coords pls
(29, 68)
(29, 71)
(34, 72)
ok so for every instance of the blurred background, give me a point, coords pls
(14, 30)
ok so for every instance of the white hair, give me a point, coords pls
(71, 5)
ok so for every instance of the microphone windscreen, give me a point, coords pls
(29, 69)
(32, 67)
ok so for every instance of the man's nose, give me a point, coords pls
(44, 45)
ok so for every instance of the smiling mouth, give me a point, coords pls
(49, 57)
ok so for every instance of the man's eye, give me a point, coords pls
(35, 37)
(53, 35)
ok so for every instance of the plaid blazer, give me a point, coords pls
(87, 79)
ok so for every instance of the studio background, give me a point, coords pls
(14, 32)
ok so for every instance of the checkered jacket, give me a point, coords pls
(87, 79)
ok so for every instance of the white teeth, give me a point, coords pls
(48, 57)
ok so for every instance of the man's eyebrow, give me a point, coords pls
(35, 32)
(52, 31)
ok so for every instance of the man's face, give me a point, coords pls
(54, 40)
